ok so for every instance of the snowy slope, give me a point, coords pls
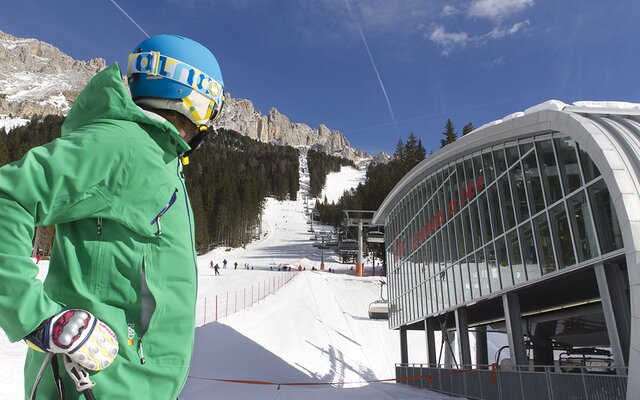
(338, 182)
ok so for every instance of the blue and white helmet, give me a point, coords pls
(176, 73)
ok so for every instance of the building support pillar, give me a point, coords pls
(462, 330)
(615, 307)
(430, 328)
(482, 351)
(404, 350)
(513, 321)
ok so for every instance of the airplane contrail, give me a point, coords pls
(128, 16)
(366, 45)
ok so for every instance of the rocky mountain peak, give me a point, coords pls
(38, 78)
(241, 116)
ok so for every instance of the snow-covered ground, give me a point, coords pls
(314, 329)
(338, 182)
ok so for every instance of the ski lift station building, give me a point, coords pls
(529, 226)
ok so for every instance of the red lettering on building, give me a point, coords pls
(467, 193)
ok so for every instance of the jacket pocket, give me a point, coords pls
(145, 216)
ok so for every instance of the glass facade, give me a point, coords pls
(494, 220)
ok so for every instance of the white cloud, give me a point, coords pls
(498, 32)
(448, 40)
(449, 10)
(497, 9)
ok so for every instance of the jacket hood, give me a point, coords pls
(106, 97)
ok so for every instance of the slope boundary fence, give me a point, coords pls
(213, 307)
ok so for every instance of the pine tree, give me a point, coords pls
(449, 134)
(4, 152)
(399, 153)
(467, 128)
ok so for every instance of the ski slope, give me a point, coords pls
(313, 330)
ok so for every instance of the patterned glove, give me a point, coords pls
(77, 333)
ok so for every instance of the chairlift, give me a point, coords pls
(379, 309)
(348, 246)
(375, 237)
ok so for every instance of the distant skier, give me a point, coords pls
(211, 264)
(224, 264)
(235, 265)
(216, 269)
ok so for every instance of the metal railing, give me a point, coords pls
(526, 383)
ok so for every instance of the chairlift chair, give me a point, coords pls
(379, 309)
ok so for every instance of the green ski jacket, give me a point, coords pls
(105, 184)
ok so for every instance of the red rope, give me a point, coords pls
(255, 382)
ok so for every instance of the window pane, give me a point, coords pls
(520, 197)
(560, 229)
(458, 281)
(492, 264)
(475, 224)
(483, 272)
(524, 147)
(582, 226)
(459, 237)
(500, 161)
(533, 182)
(568, 163)
(486, 220)
(503, 263)
(546, 247)
(466, 282)
(512, 154)
(467, 232)
(549, 169)
(515, 256)
(445, 289)
(589, 169)
(530, 255)
(478, 168)
(492, 194)
(606, 220)
(489, 172)
(507, 202)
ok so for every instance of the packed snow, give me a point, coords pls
(339, 182)
(309, 327)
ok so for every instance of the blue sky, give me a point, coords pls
(471, 61)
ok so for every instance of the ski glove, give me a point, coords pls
(79, 334)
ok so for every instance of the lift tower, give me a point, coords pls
(359, 218)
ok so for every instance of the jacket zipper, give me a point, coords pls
(141, 351)
(186, 204)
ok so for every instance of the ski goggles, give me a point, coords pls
(205, 100)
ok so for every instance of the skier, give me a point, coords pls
(216, 269)
(224, 264)
(106, 184)
(235, 265)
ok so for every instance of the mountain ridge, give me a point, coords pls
(38, 79)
